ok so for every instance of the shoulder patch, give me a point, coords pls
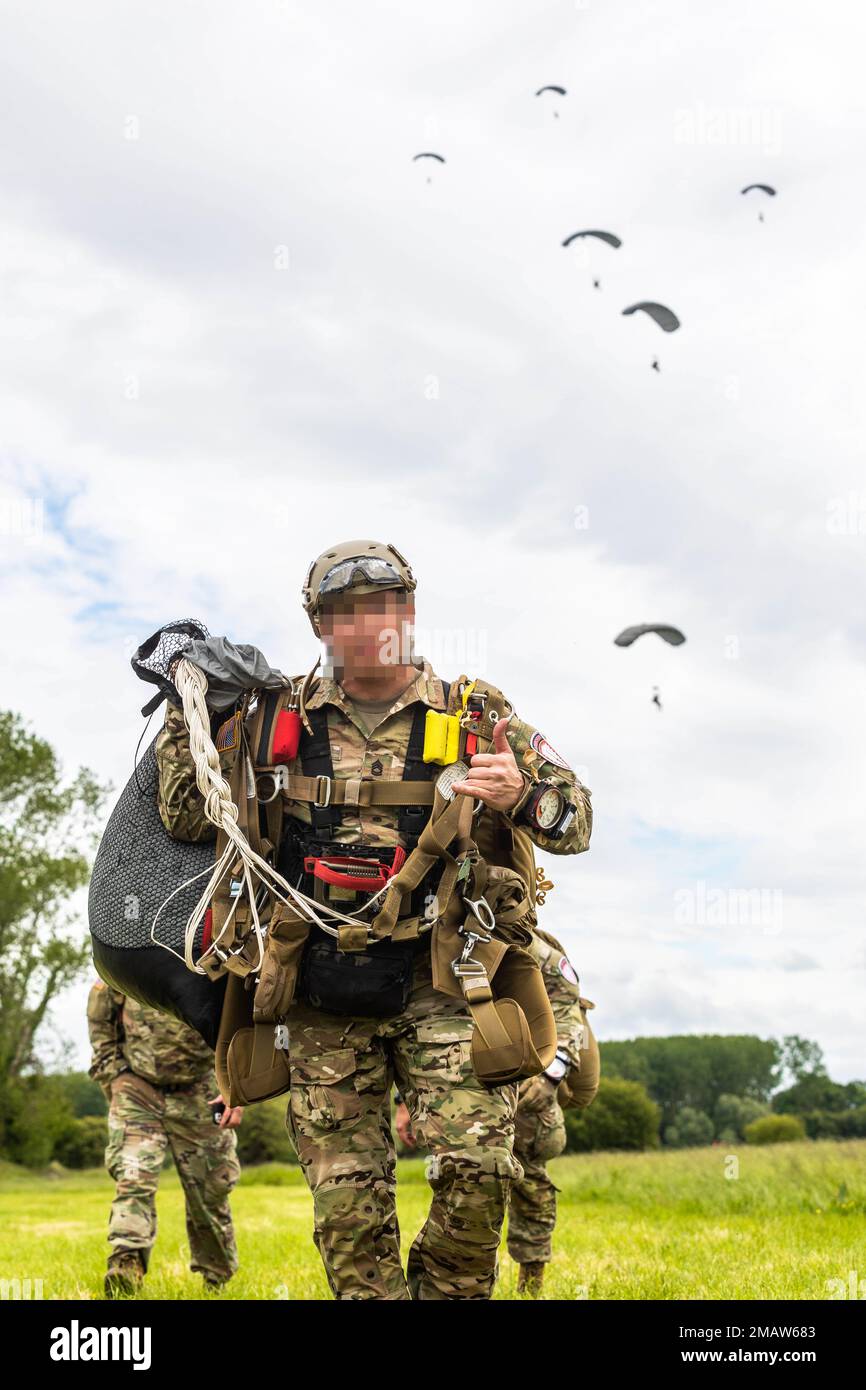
(567, 970)
(546, 751)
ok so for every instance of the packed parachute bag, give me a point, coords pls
(146, 885)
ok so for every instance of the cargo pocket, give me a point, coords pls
(444, 1051)
(324, 1094)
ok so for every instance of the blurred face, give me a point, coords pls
(369, 634)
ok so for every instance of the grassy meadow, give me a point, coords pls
(751, 1223)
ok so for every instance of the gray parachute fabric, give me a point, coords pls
(669, 634)
(138, 866)
(231, 670)
(659, 313)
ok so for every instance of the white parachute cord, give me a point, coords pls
(220, 809)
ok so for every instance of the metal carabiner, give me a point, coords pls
(483, 914)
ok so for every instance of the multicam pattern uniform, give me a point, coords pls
(145, 1052)
(540, 1126)
(342, 1068)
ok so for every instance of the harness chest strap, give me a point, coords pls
(351, 791)
(449, 821)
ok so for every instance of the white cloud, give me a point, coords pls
(434, 368)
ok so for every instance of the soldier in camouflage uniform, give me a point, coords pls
(343, 1066)
(571, 1079)
(157, 1075)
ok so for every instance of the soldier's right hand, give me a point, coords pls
(403, 1126)
(536, 1092)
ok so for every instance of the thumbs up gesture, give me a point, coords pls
(494, 777)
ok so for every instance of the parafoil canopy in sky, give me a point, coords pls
(664, 630)
(660, 313)
(609, 237)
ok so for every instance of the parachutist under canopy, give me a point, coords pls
(655, 365)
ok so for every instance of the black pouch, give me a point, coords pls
(375, 983)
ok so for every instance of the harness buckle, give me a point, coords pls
(466, 969)
(320, 792)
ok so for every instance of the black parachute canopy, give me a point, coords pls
(764, 187)
(609, 237)
(551, 88)
(428, 154)
(664, 630)
(664, 317)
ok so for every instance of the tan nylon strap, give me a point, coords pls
(355, 791)
(489, 1024)
(479, 998)
(432, 847)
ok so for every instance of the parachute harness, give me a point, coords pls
(256, 874)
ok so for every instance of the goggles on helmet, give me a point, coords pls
(361, 569)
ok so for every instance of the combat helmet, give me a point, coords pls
(362, 566)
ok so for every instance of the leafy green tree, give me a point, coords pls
(46, 830)
(774, 1129)
(800, 1057)
(692, 1128)
(83, 1094)
(622, 1116)
(696, 1069)
(82, 1144)
(36, 1115)
(733, 1113)
(263, 1138)
(815, 1091)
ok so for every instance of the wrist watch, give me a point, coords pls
(548, 812)
(558, 1067)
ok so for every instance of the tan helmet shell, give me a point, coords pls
(349, 550)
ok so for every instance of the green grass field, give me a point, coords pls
(631, 1226)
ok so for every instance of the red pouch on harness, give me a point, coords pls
(287, 736)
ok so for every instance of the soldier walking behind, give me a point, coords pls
(157, 1075)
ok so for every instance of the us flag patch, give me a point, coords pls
(228, 734)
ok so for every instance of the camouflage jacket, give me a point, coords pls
(126, 1036)
(356, 754)
(563, 991)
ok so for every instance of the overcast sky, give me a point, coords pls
(238, 323)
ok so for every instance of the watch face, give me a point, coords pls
(548, 808)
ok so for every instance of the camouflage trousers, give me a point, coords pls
(340, 1123)
(143, 1122)
(539, 1135)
